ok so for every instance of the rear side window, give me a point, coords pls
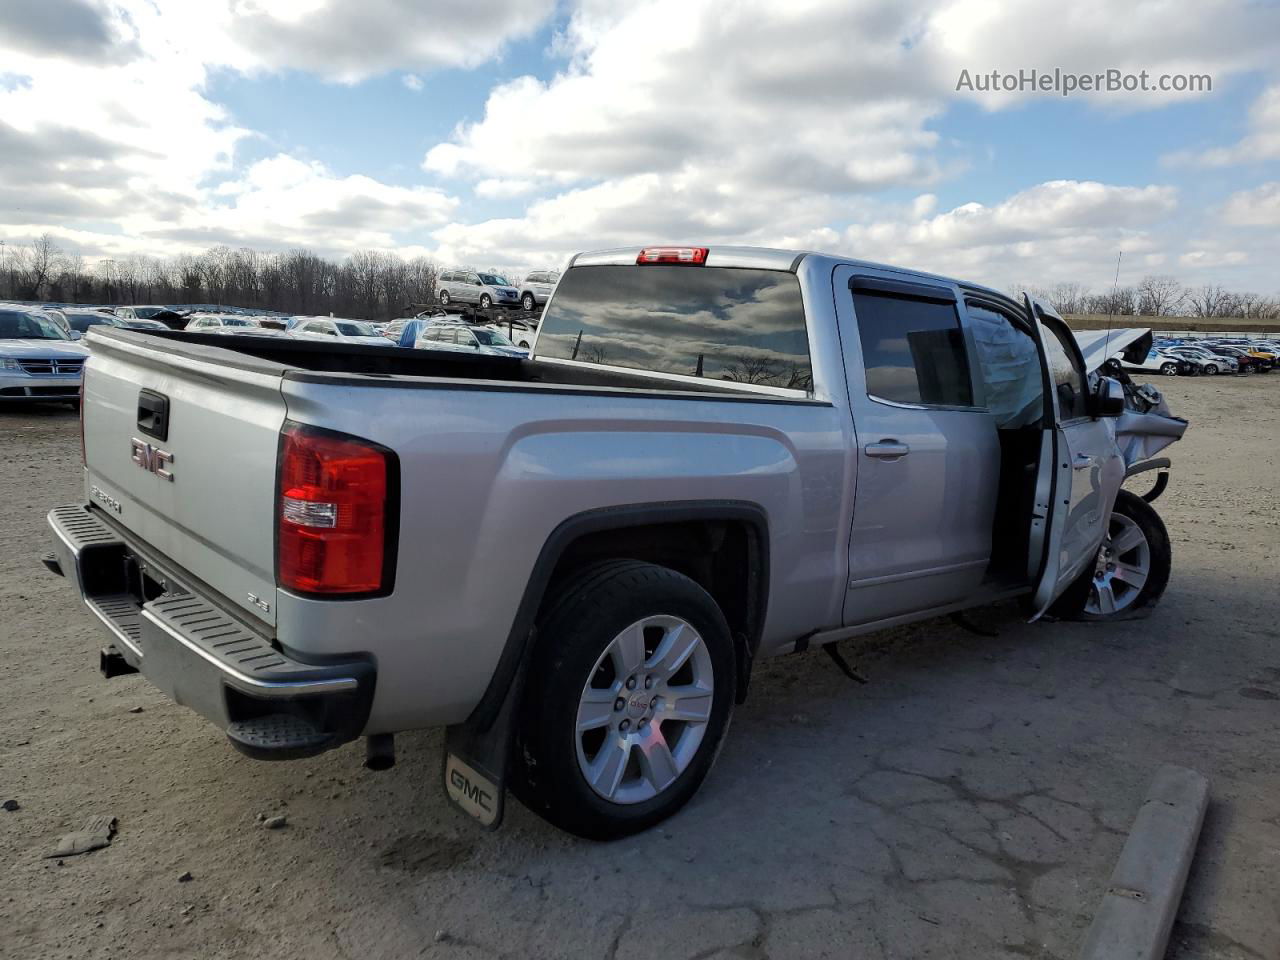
(913, 350)
(721, 323)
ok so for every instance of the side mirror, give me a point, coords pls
(1109, 399)
(74, 334)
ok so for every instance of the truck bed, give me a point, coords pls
(315, 361)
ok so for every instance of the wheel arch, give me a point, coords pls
(723, 545)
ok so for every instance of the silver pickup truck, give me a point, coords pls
(572, 561)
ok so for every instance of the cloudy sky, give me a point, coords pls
(514, 132)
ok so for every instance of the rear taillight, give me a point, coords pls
(335, 517)
(690, 256)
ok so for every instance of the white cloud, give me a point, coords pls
(1058, 230)
(125, 136)
(283, 201)
(1215, 37)
(1260, 145)
(1259, 207)
(671, 120)
(350, 41)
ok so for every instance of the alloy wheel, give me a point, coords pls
(1121, 569)
(644, 709)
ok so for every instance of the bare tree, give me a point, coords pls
(1119, 302)
(36, 265)
(1068, 297)
(1160, 296)
(1210, 300)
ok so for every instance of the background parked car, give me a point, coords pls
(1210, 363)
(1164, 363)
(79, 321)
(485, 290)
(336, 328)
(537, 287)
(404, 329)
(464, 338)
(225, 323)
(517, 331)
(38, 360)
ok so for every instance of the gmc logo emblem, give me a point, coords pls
(470, 791)
(152, 459)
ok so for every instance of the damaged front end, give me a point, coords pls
(1147, 425)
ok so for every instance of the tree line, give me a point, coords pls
(368, 284)
(1160, 296)
(375, 285)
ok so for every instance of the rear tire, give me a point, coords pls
(1132, 576)
(485, 302)
(444, 298)
(527, 302)
(613, 636)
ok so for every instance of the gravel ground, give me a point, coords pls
(968, 802)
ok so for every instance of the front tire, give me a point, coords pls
(1131, 570)
(1169, 369)
(1210, 370)
(444, 298)
(629, 696)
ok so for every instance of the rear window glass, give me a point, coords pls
(913, 350)
(721, 323)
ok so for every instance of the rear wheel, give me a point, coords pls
(527, 302)
(485, 302)
(444, 298)
(1131, 569)
(628, 700)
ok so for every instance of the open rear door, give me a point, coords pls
(1053, 486)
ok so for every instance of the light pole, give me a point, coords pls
(109, 265)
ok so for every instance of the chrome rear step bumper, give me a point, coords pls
(271, 704)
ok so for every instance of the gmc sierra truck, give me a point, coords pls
(571, 561)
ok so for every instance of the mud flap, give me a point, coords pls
(476, 757)
(480, 794)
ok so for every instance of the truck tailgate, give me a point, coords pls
(213, 515)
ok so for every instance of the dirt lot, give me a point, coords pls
(968, 802)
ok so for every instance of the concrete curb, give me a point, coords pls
(1137, 911)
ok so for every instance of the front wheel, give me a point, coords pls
(527, 302)
(627, 702)
(1169, 369)
(1210, 369)
(444, 298)
(1131, 569)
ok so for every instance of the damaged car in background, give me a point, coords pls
(713, 455)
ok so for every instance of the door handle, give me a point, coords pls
(1084, 461)
(886, 450)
